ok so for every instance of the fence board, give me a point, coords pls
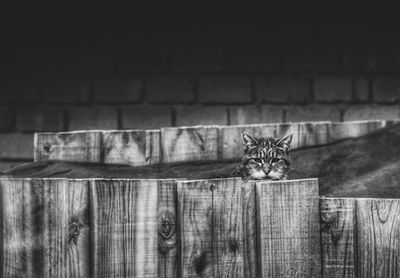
(45, 228)
(82, 146)
(189, 143)
(133, 147)
(289, 228)
(124, 228)
(378, 238)
(210, 214)
(337, 237)
(167, 230)
(353, 129)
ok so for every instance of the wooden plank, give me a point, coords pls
(82, 146)
(337, 237)
(312, 134)
(378, 238)
(133, 147)
(124, 228)
(251, 248)
(353, 129)
(167, 229)
(45, 228)
(232, 144)
(288, 227)
(210, 222)
(189, 143)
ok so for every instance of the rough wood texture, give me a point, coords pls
(83, 146)
(133, 147)
(338, 243)
(378, 238)
(210, 214)
(124, 228)
(289, 228)
(189, 143)
(167, 229)
(312, 134)
(353, 129)
(45, 228)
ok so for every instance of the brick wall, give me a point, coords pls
(148, 74)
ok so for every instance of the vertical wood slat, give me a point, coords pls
(353, 129)
(337, 237)
(210, 215)
(190, 143)
(134, 147)
(81, 146)
(45, 228)
(288, 228)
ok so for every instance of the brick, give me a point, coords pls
(39, 119)
(161, 89)
(8, 164)
(334, 30)
(201, 60)
(225, 90)
(37, 62)
(89, 62)
(386, 89)
(200, 115)
(311, 59)
(16, 145)
(361, 90)
(357, 59)
(118, 89)
(312, 113)
(19, 90)
(66, 90)
(371, 112)
(333, 89)
(143, 61)
(255, 114)
(151, 117)
(83, 118)
(252, 60)
(6, 119)
(287, 31)
(283, 90)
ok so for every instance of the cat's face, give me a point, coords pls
(266, 158)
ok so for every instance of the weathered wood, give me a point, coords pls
(167, 229)
(313, 134)
(339, 131)
(84, 146)
(338, 244)
(210, 215)
(251, 248)
(378, 238)
(45, 228)
(190, 143)
(232, 144)
(132, 147)
(124, 228)
(288, 227)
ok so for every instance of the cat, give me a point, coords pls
(265, 158)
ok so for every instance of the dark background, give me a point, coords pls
(143, 66)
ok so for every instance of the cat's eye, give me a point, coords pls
(275, 160)
(258, 160)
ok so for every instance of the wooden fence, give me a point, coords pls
(178, 144)
(193, 228)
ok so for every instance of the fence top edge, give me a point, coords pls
(5, 178)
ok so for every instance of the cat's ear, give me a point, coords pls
(285, 141)
(248, 140)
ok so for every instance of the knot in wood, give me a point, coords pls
(166, 226)
(73, 232)
(212, 187)
(46, 147)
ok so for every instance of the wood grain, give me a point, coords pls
(133, 147)
(189, 143)
(312, 134)
(210, 214)
(353, 129)
(338, 243)
(288, 227)
(82, 146)
(232, 144)
(378, 238)
(124, 228)
(45, 228)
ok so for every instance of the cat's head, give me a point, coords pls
(266, 158)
